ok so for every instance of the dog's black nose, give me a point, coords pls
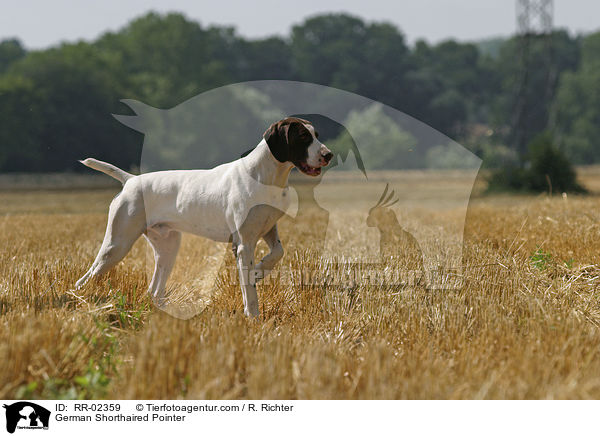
(328, 156)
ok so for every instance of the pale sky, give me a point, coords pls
(42, 23)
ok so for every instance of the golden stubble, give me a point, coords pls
(524, 325)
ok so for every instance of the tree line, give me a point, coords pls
(56, 104)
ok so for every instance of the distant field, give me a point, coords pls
(525, 324)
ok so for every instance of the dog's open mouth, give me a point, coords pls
(308, 170)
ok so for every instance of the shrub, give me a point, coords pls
(545, 168)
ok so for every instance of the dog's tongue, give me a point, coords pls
(306, 169)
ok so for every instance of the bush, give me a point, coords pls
(545, 168)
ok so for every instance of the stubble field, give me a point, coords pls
(524, 325)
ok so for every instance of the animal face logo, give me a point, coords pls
(386, 192)
(26, 415)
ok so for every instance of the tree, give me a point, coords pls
(75, 93)
(21, 125)
(343, 51)
(381, 141)
(11, 50)
(263, 59)
(64, 96)
(577, 106)
(446, 85)
(168, 58)
(536, 97)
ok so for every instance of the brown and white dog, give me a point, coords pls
(240, 201)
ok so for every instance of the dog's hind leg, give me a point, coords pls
(267, 263)
(122, 230)
(166, 245)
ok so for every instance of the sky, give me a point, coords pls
(43, 23)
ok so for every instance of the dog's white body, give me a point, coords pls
(240, 201)
(212, 203)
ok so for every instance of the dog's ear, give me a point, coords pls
(276, 137)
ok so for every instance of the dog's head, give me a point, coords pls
(295, 140)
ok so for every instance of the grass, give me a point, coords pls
(524, 325)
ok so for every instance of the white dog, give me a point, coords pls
(239, 201)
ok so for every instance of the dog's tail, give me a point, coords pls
(106, 168)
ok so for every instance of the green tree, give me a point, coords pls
(263, 59)
(21, 125)
(10, 51)
(381, 141)
(167, 59)
(343, 51)
(76, 92)
(55, 104)
(548, 59)
(446, 84)
(577, 106)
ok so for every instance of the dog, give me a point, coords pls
(238, 202)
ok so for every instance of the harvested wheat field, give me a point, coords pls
(524, 325)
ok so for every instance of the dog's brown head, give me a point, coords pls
(295, 140)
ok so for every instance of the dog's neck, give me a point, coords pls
(264, 168)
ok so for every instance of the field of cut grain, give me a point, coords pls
(525, 324)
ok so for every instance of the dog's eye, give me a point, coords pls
(307, 138)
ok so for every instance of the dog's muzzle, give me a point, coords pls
(326, 158)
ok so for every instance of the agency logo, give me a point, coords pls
(26, 415)
(389, 209)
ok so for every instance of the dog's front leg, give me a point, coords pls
(245, 261)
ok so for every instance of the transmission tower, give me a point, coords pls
(534, 25)
(534, 16)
